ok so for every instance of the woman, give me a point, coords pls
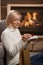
(12, 39)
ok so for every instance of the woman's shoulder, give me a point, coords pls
(18, 30)
(5, 31)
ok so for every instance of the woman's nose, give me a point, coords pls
(18, 22)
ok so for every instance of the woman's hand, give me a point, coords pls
(26, 36)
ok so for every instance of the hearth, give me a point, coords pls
(32, 18)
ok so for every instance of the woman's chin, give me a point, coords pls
(16, 26)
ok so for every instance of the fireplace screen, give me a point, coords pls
(32, 18)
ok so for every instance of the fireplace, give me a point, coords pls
(32, 17)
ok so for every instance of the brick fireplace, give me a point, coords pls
(32, 17)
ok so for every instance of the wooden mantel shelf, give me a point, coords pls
(25, 5)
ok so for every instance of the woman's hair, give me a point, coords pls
(11, 16)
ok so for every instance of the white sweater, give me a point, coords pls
(13, 43)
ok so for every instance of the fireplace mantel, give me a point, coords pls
(22, 5)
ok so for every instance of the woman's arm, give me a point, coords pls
(9, 45)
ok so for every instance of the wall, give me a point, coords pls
(5, 2)
(0, 9)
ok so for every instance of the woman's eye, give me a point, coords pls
(15, 19)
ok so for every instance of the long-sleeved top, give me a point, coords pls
(13, 43)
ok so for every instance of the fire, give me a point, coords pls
(35, 14)
(30, 20)
(26, 23)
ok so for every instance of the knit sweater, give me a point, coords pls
(13, 43)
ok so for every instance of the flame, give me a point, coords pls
(28, 19)
(26, 23)
(35, 15)
(29, 22)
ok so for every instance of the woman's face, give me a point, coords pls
(16, 21)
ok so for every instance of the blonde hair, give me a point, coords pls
(11, 16)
